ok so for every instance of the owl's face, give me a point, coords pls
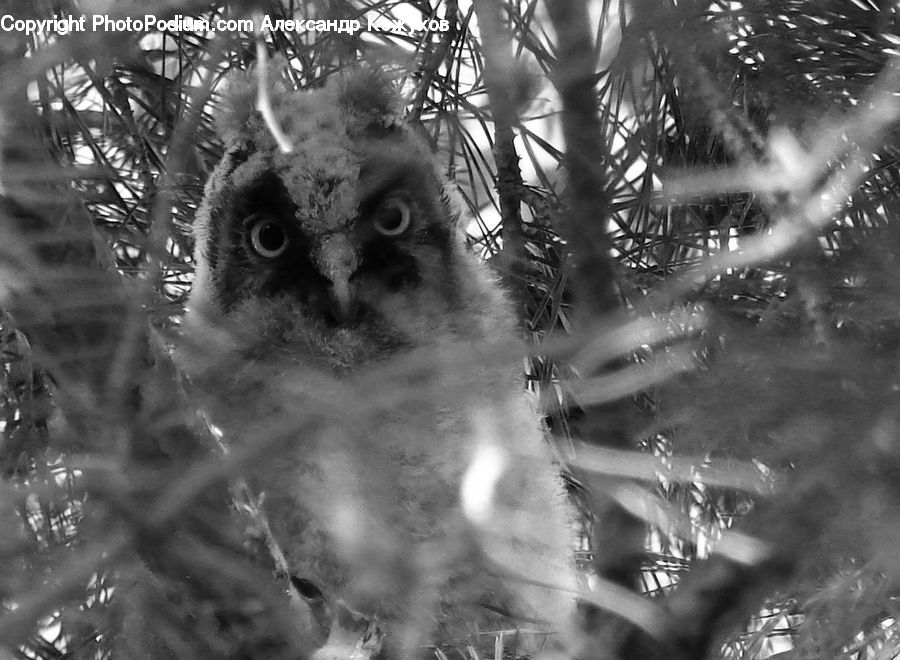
(346, 248)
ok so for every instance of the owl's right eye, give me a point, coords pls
(268, 237)
(392, 217)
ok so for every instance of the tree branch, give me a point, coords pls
(500, 73)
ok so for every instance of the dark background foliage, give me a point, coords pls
(694, 205)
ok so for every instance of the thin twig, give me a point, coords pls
(263, 101)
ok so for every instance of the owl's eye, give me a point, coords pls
(392, 217)
(268, 237)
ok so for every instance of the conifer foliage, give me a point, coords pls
(693, 204)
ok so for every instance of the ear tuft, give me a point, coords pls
(236, 104)
(236, 109)
(368, 100)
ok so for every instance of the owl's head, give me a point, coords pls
(344, 249)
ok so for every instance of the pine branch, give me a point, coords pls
(501, 76)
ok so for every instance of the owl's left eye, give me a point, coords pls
(268, 237)
(392, 217)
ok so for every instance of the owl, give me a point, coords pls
(334, 320)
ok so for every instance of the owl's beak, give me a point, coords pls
(344, 299)
(338, 261)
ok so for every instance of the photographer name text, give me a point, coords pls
(179, 23)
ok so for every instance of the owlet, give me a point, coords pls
(336, 320)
